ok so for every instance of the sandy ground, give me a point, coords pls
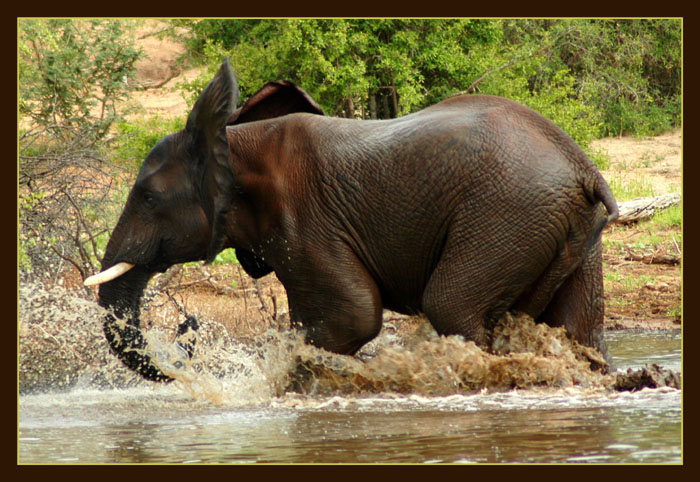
(656, 160)
(158, 73)
(638, 294)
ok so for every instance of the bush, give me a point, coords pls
(134, 140)
(555, 100)
(227, 33)
(593, 77)
(71, 75)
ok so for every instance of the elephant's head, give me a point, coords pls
(177, 209)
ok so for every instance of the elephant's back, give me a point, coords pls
(509, 127)
(398, 189)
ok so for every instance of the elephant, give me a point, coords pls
(464, 210)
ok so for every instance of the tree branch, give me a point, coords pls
(472, 87)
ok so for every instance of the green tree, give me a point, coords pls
(629, 70)
(368, 68)
(593, 77)
(72, 73)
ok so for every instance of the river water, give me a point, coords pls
(243, 417)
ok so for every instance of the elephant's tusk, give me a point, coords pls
(108, 275)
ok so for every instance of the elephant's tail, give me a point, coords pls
(600, 192)
(604, 193)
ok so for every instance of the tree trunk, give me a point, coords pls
(386, 114)
(372, 106)
(395, 99)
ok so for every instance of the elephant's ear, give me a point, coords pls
(275, 99)
(206, 129)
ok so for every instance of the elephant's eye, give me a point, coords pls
(149, 200)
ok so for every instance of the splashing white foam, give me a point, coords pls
(62, 345)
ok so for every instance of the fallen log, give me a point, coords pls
(652, 258)
(643, 208)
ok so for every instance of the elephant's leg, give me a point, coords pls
(535, 298)
(464, 294)
(578, 304)
(473, 285)
(456, 313)
(334, 300)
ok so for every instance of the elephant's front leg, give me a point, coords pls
(334, 300)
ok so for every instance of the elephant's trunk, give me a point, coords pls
(122, 298)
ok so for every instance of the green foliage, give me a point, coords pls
(629, 69)
(671, 217)
(380, 68)
(227, 33)
(226, 256)
(213, 53)
(71, 77)
(72, 72)
(626, 189)
(134, 140)
(675, 312)
(593, 77)
(600, 157)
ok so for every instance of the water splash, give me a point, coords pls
(522, 355)
(62, 346)
(61, 343)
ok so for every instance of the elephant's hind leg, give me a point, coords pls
(460, 299)
(578, 304)
(472, 287)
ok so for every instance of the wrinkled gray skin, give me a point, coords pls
(464, 210)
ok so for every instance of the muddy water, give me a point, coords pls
(406, 401)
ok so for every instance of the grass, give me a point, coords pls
(646, 160)
(668, 218)
(634, 283)
(627, 189)
(660, 232)
(600, 158)
(629, 282)
(226, 256)
(611, 276)
(675, 312)
(631, 290)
